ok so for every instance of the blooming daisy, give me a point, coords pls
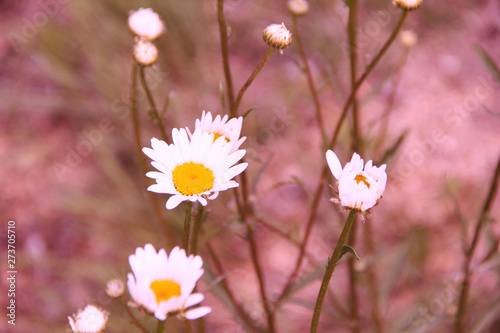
(193, 170)
(358, 189)
(220, 126)
(89, 320)
(146, 23)
(164, 284)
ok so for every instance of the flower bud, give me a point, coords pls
(298, 7)
(89, 320)
(115, 288)
(146, 23)
(145, 52)
(408, 4)
(408, 38)
(277, 36)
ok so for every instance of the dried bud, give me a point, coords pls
(277, 36)
(115, 288)
(89, 320)
(145, 52)
(408, 4)
(298, 7)
(146, 23)
(408, 38)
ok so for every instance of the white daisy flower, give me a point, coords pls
(146, 23)
(164, 284)
(358, 189)
(145, 52)
(193, 170)
(89, 320)
(220, 126)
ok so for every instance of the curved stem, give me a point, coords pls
(234, 110)
(152, 103)
(310, 82)
(260, 277)
(187, 226)
(132, 316)
(224, 51)
(332, 263)
(462, 300)
(142, 159)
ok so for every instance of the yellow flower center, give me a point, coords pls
(165, 290)
(218, 135)
(361, 178)
(192, 178)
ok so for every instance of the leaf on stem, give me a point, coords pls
(348, 249)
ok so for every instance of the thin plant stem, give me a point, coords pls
(330, 268)
(161, 326)
(462, 300)
(220, 270)
(390, 102)
(187, 226)
(353, 296)
(234, 110)
(189, 329)
(356, 146)
(260, 277)
(142, 159)
(351, 30)
(225, 53)
(310, 81)
(198, 219)
(152, 103)
(200, 325)
(319, 187)
(132, 316)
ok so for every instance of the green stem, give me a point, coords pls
(234, 110)
(187, 226)
(131, 315)
(462, 300)
(332, 263)
(152, 103)
(260, 277)
(224, 50)
(161, 326)
(142, 159)
(310, 82)
(352, 23)
(237, 307)
(198, 219)
(189, 329)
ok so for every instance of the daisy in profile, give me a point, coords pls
(163, 285)
(220, 126)
(194, 170)
(89, 320)
(359, 188)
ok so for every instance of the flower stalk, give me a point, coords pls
(187, 226)
(332, 263)
(464, 292)
(234, 109)
(152, 103)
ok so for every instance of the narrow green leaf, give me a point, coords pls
(488, 61)
(348, 249)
